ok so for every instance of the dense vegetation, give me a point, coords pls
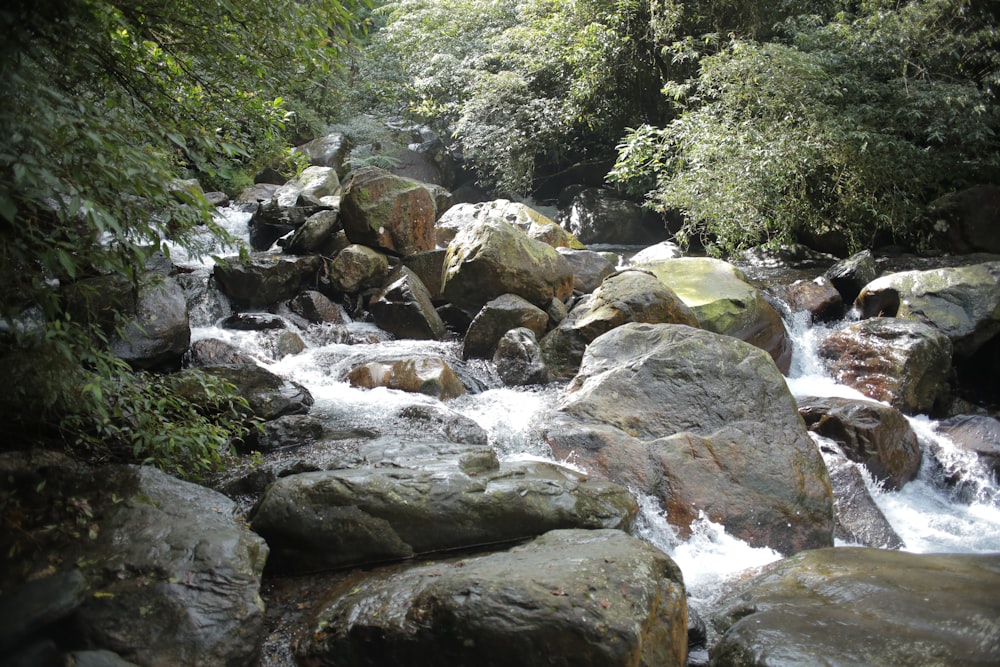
(757, 121)
(106, 104)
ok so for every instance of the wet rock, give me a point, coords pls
(817, 297)
(725, 303)
(315, 235)
(589, 598)
(428, 266)
(858, 519)
(215, 352)
(287, 344)
(961, 302)
(596, 215)
(850, 275)
(903, 363)
(704, 423)
(865, 607)
(271, 221)
(388, 212)
(269, 395)
(976, 433)
(317, 308)
(589, 268)
(496, 318)
(206, 303)
(873, 434)
(265, 279)
(490, 258)
(357, 268)
(629, 296)
(425, 497)
(426, 375)
(518, 359)
(314, 182)
(35, 605)
(192, 598)
(159, 332)
(252, 322)
(403, 307)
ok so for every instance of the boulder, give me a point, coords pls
(317, 308)
(978, 434)
(491, 258)
(159, 331)
(518, 359)
(818, 297)
(900, 362)
(428, 266)
(327, 151)
(270, 396)
(589, 268)
(443, 496)
(859, 521)
(961, 302)
(357, 268)
(252, 322)
(270, 222)
(725, 303)
(170, 575)
(656, 253)
(703, 422)
(496, 318)
(534, 224)
(596, 215)
(403, 307)
(314, 183)
(850, 275)
(388, 212)
(264, 278)
(856, 606)
(215, 352)
(872, 434)
(424, 375)
(316, 234)
(628, 296)
(968, 220)
(588, 598)
(205, 301)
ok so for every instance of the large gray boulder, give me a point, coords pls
(533, 223)
(314, 183)
(265, 278)
(725, 302)
(589, 268)
(587, 598)
(268, 395)
(903, 363)
(628, 296)
(316, 234)
(519, 359)
(387, 212)
(357, 268)
(425, 497)
(159, 331)
(496, 318)
(596, 215)
(403, 307)
(490, 258)
(170, 575)
(968, 220)
(706, 424)
(327, 151)
(856, 606)
(875, 435)
(961, 302)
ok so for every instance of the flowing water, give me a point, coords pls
(927, 513)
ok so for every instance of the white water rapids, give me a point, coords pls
(925, 513)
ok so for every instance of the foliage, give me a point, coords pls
(106, 103)
(850, 124)
(525, 85)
